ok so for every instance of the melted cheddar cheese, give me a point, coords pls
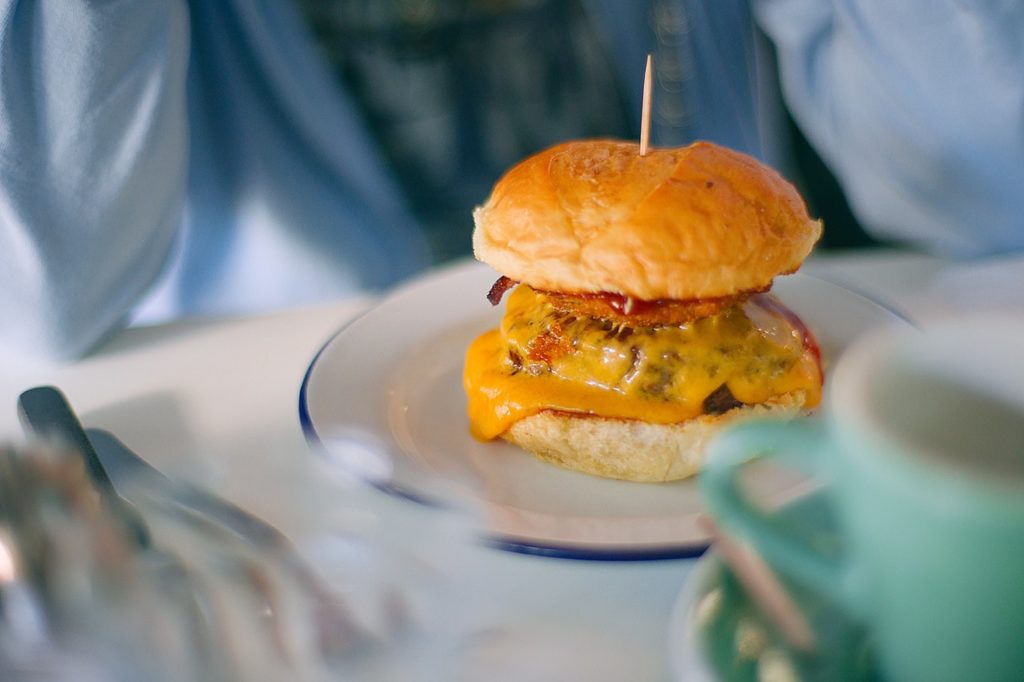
(542, 359)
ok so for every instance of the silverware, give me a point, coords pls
(338, 632)
(121, 476)
(47, 416)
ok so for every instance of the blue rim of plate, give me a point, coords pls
(525, 546)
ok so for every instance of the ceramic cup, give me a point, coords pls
(922, 452)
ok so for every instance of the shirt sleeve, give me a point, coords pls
(93, 155)
(918, 108)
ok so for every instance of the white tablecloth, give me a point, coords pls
(216, 401)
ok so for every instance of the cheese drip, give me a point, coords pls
(542, 359)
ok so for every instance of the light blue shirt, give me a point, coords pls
(918, 108)
(167, 158)
(160, 159)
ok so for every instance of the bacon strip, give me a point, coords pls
(499, 288)
(633, 312)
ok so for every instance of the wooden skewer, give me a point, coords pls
(645, 112)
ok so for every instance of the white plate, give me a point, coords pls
(393, 378)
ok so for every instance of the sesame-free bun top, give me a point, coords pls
(700, 221)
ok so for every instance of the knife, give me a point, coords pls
(128, 471)
(46, 414)
(116, 471)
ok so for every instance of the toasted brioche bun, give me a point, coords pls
(632, 450)
(594, 216)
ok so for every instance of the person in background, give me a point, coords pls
(185, 157)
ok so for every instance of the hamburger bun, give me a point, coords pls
(630, 449)
(632, 338)
(695, 222)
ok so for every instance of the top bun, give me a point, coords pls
(700, 221)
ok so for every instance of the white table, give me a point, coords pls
(216, 401)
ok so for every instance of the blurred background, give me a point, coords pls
(454, 92)
(235, 157)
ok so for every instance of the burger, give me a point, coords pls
(638, 318)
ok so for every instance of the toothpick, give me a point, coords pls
(645, 113)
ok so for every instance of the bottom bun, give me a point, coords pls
(632, 450)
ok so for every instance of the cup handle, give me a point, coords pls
(800, 442)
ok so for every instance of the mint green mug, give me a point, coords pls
(922, 454)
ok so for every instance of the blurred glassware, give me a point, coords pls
(415, 554)
(133, 478)
(78, 600)
(81, 598)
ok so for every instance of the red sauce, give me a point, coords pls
(773, 305)
(627, 305)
